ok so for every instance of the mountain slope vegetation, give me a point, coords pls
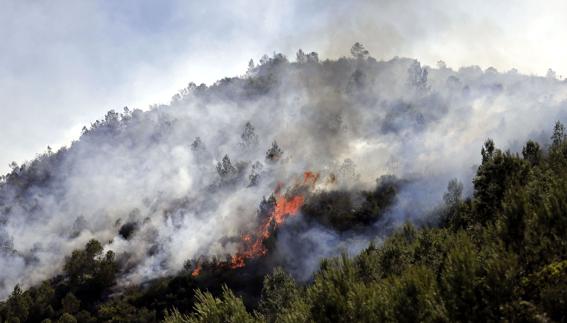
(305, 191)
(500, 254)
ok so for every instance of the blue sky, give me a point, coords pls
(64, 63)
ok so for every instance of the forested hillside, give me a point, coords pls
(500, 254)
(304, 191)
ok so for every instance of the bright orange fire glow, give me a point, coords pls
(197, 270)
(253, 243)
(284, 208)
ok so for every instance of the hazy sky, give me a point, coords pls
(64, 63)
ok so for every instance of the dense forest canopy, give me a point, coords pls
(226, 201)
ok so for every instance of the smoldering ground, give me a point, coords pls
(184, 181)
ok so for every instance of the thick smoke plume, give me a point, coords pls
(186, 180)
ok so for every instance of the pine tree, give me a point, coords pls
(274, 153)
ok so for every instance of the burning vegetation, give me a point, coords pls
(158, 214)
(272, 214)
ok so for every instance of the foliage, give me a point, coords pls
(274, 153)
(278, 295)
(499, 255)
(208, 308)
(339, 211)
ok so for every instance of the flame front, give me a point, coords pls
(252, 244)
(197, 271)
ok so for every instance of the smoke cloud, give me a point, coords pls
(155, 186)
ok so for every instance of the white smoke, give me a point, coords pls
(147, 169)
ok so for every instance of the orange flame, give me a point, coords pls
(284, 208)
(253, 243)
(197, 271)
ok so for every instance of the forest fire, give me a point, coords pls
(285, 206)
(197, 270)
(254, 243)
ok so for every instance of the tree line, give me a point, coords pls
(498, 255)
